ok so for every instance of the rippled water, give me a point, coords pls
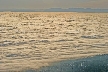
(32, 40)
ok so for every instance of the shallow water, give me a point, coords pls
(90, 64)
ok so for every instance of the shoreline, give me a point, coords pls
(91, 63)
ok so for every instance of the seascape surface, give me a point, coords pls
(31, 40)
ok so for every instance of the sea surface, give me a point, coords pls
(30, 40)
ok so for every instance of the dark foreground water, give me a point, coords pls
(91, 64)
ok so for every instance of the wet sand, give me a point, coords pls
(91, 64)
(32, 40)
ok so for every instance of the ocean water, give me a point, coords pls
(91, 64)
(31, 40)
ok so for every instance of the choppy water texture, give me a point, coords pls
(91, 64)
(32, 40)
